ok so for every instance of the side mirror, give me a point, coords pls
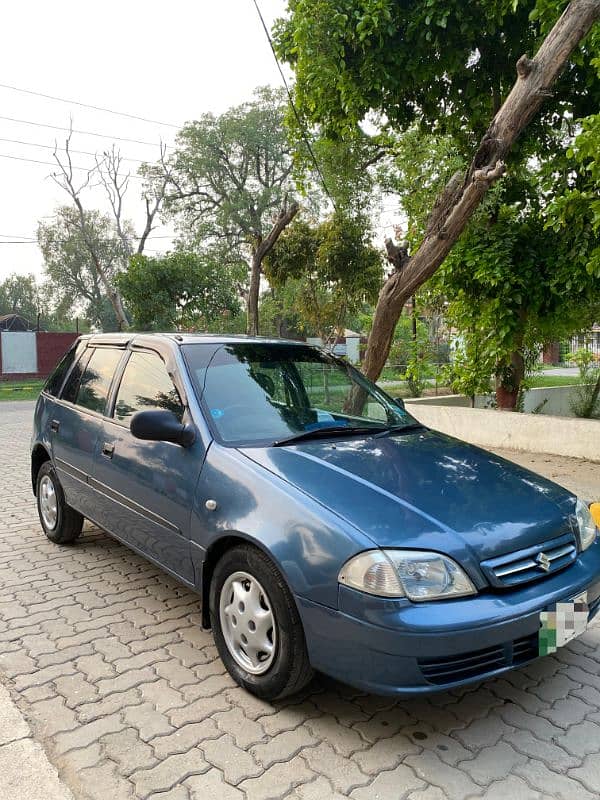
(162, 426)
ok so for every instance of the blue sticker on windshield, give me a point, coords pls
(216, 413)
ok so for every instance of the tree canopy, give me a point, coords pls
(230, 186)
(19, 295)
(332, 267)
(177, 291)
(443, 63)
(72, 277)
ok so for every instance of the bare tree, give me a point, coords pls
(108, 173)
(464, 192)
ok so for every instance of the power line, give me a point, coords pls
(293, 105)
(16, 239)
(51, 147)
(88, 105)
(84, 133)
(52, 164)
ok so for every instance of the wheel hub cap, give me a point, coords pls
(247, 622)
(48, 504)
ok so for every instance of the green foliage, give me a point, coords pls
(230, 175)
(177, 291)
(445, 64)
(73, 283)
(574, 214)
(586, 399)
(332, 268)
(19, 295)
(470, 370)
(404, 346)
(513, 285)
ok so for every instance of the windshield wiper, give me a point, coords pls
(323, 433)
(412, 426)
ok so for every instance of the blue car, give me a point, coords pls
(323, 527)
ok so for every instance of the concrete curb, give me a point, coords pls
(533, 433)
(25, 772)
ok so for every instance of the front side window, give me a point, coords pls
(146, 386)
(265, 393)
(96, 379)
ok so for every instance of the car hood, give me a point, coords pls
(426, 490)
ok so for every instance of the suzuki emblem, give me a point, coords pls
(543, 562)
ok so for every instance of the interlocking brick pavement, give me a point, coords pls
(104, 655)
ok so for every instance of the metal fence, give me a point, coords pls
(586, 341)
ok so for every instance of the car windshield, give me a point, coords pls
(266, 393)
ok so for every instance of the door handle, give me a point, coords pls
(54, 425)
(108, 449)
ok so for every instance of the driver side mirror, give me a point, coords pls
(162, 426)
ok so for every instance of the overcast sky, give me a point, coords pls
(165, 61)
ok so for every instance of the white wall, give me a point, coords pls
(548, 401)
(535, 433)
(19, 352)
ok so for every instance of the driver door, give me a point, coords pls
(147, 488)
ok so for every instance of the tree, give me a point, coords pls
(177, 291)
(505, 284)
(332, 267)
(108, 171)
(19, 295)
(446, 67)
(229, 185)
(73, 279)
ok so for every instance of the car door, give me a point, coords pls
(146, 488)
(76, 423)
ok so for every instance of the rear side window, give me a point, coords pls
(55, 381)
(69, 392)
(146, 386)
(96, 379)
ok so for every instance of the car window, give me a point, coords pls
(71, 387)
(146, 386)
(96, 379)
(55, 381)
(261, 392)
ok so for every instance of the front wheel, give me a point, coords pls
(61, 523)
(256, 625)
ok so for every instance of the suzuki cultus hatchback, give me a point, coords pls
(322, 525)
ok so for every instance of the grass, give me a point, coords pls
(539, 381)
(20, 390)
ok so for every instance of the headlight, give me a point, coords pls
(416, 574)
(586, 524)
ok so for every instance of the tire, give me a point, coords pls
(286, 668)
(61, 523)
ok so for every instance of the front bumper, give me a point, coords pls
(401, 648)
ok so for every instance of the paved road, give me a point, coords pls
(104, 655)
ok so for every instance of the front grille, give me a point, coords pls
(532, 563)
(479, 663)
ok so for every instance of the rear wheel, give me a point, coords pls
(61, 523)
(256, 625)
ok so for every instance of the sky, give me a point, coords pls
(168, 62)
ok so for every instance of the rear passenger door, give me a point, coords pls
(145, 488)
(76, 422)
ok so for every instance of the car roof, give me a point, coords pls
(123, 339)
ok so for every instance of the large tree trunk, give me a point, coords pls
(261, 250)
(509, 377)
(463, 194)
(508, 383)
(252, 325)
